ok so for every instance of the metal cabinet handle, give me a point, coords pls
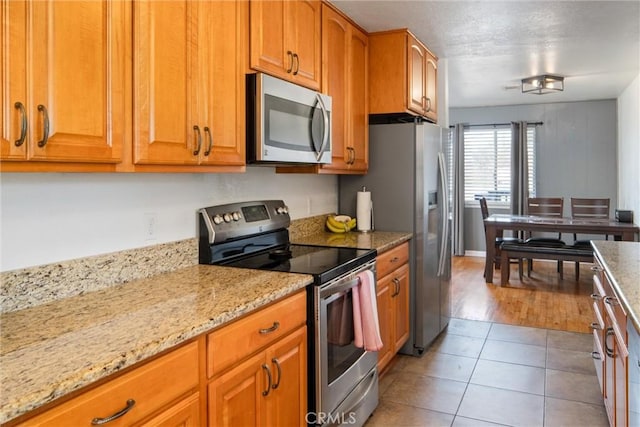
(268, 371)
(396, 282)
(290, 56)
(352, 155)
(596, 355)
(428, 104)
(45, 135)
(595, 269)
(197, 150)
(120, 413)
(394, 260)
(595, 325)
(23, 124)
(595, 297)
(297, 61)
(608, 350)
(207, 132)
(611, 300)
(275, 326)
(277, 363)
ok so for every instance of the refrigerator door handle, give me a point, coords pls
(444, 203)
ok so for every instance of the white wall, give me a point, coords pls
(629, 149)
(52, 217)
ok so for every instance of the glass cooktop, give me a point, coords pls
(324, 263)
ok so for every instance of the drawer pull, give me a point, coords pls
(100, 421)
(596, 269)
(611, 300)
(394, 260)
(268, 371)
(595, 297)
(595, 355)
(275, 326)
(594, 325)
(277, 363)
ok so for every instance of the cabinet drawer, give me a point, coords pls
(392, 259)
(234, 342)
(152, 386)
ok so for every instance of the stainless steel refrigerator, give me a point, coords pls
(409, 188)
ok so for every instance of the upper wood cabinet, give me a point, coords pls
(189, 91)
(345, 59)
(345, 52)
(285, 40)
(64, 73)
(413, 89)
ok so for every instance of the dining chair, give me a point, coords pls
(586, 208)
(547, 207)
(499, 240)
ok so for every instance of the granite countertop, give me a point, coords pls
(379, 240)
(50, 350)
(622, 263)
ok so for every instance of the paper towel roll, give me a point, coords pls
(363, 211)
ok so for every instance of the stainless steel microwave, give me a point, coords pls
(286, 123)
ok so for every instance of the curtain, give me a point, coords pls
(519, 168)
(458, 190)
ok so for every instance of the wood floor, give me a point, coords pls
(542, 300)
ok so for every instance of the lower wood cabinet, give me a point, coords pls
(269, 388)
(611, 354)
(393, 301)
(251, 372)
(154, 393)
(262, 378)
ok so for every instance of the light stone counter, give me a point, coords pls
(52, 349)
(622, 263)
(380, 240)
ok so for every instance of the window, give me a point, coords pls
(487, 163)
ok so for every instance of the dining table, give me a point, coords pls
(496, 224)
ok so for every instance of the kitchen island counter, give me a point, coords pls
(622, 263)
(51, 350)
(379, 240)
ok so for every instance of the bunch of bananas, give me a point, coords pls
(340, 223)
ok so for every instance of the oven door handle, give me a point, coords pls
(339, 287)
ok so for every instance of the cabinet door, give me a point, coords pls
(268, 51)
(385, 320)
(287, 403)
(431, 87)
(76, 108)
(235, 398)
(621, 359)
(335, 81)
(303, 23)
(166, 96)
(401, 306)
(13, 73)
(416, 75)
(221, 53)
(359, 100)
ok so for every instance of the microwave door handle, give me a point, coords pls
(325, 133)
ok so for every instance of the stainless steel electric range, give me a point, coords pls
(343, 381)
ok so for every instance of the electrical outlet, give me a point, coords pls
(150, 225)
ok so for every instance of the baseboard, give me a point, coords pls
(481, 254)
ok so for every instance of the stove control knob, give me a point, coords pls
(227, 217)
(236, 216)
(217, 219)
(281, 210)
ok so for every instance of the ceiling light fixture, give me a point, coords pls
(545, 83)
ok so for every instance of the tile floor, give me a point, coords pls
(487, 374)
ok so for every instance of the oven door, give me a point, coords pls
(340, 365)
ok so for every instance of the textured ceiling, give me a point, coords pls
(489, 46)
